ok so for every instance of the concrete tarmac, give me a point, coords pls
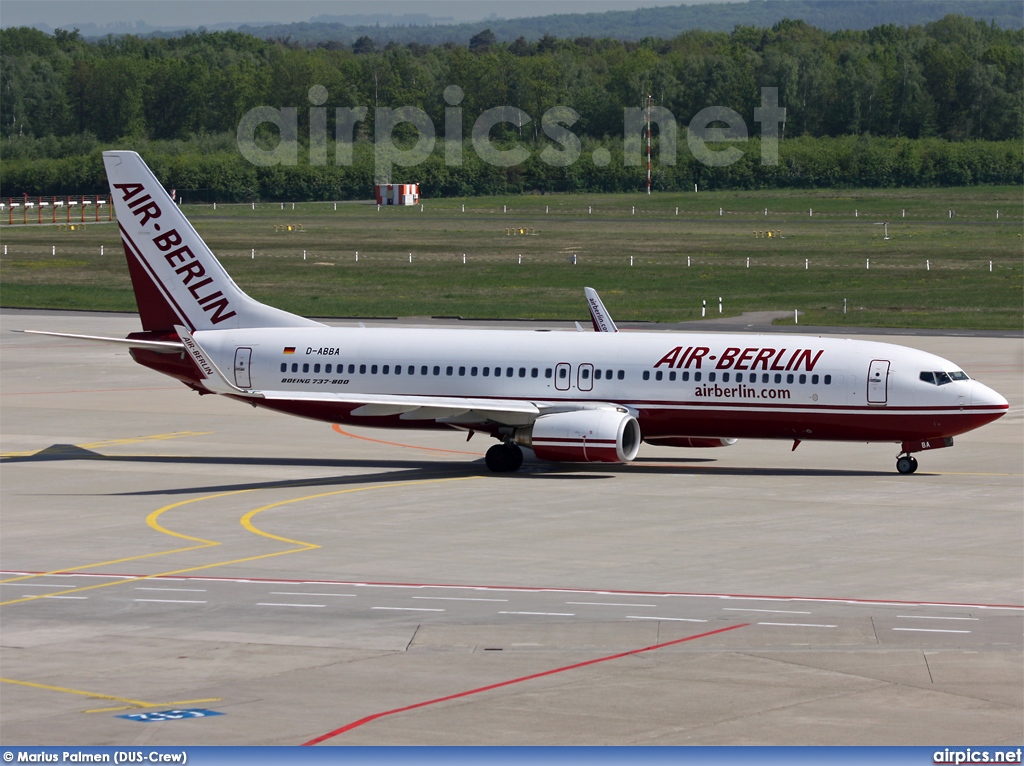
(162, 551)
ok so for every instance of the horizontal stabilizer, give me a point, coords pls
(160, 346)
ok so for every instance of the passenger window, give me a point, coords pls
(386, 368)
(658, 375)
(473, 371)
(449, 370)
(712, 377)
(547, 372)
(725, 377)
(295, 367)
(316, 368)
(508, 372)
(284, 367)
(373, 369)
(597, 374)
(462, 371)
(586, 374)
(686, 375)
(803, 379)
(534, 372)
(362, 369)
(497, 372)
(778, 377)
(305, 367)
(621, 375)
(828, 380)
(487, 372)
(814, 380)
(764, 378)
(522, 372)
(329, 367)
(672, 375)
(437, 370)
(697, 376)
(563, 373)
(739, 377)
(647, 374)
(789, 378)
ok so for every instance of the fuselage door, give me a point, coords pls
(585, 377)
(243, 357)
(878, 382)
(563, 376)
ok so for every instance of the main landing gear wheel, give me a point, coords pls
(906, 464)
(503, 458)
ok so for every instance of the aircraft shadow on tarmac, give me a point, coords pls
(415, 470)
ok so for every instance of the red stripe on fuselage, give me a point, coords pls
(851, 424)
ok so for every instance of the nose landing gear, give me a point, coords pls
(906, 464)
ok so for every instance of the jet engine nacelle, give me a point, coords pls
(691, 441)
(583, 436)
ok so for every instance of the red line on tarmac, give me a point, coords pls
(541, 589)
(458, 695)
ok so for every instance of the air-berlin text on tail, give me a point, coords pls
(734, 358)
(189, 269)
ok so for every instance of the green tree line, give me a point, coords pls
(939, 104)
(210, 169)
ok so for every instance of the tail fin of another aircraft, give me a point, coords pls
(176, 278)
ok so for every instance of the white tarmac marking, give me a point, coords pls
(605, 603)
(167, 601)
(669, 619)
(769, 611)
(929, 617)
(798, 625)
(32, 585)
(454, 598)
(930, 630)
(544, 614)
(405, 609)
(300, 593)
(79, 598)
(310, 606)
(178, 590)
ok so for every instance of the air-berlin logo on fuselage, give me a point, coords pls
(734, 358)
(184, 262)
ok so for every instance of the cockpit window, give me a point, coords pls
(940, 378)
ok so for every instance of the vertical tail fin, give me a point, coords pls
(176, 278)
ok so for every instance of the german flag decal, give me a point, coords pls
(289, 349)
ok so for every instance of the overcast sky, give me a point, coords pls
(194, 13)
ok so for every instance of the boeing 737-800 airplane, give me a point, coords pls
(568, 396)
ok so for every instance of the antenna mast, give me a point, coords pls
(649, 143)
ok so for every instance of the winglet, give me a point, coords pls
(598, 313)
(213, 378)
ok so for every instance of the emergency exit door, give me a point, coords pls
(878, 382)
(243, 356)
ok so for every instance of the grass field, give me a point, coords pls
(932, 272)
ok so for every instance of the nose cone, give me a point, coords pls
(983, 396)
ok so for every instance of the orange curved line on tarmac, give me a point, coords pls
(343, 432)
